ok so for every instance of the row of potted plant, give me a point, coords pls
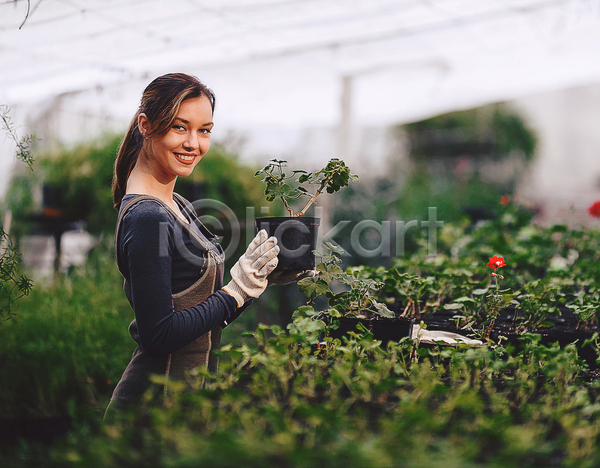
(501, 277)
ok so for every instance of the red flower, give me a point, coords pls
(594, 209)
(496, 262)
(504, 200)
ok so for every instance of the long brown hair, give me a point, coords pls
(160, 102)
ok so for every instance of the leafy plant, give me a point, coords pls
(294, 185)
(585, 306)
(69, 343)
(551, 278)
(357, 300)
(539, 299)
(410, 290)
(13, 284)
(355, 405)
(23, 144)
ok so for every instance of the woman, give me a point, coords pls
(173, 269)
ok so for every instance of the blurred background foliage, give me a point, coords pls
(67, 185)
(461, 163)
(490, 131)
(69, 343)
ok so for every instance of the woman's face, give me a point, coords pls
(177, 152)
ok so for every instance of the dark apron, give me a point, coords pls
(135, 380)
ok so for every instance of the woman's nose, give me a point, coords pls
(191, 141)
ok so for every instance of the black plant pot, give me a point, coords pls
(391, 329)
(347, 325)
(296, 237)
(383, 329)
(564, 338)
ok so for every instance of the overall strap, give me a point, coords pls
(189, 208)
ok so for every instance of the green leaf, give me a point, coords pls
(453, 306)
(383, 310)
(336, 249)
(304, 311)
(326, 276)
(546, 324)
(311, 288)
(463, 299)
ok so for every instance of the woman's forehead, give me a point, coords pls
(195, 110)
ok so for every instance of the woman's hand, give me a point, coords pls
(287, 277)
(249, 274)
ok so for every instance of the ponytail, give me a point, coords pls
(126, 158)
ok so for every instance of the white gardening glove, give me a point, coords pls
(249, 274)
(441, 337)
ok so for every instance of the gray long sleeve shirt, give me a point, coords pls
(158, 258)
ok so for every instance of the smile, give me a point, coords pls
(185, 157)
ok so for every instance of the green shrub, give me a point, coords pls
(68, 343)
(354, 404)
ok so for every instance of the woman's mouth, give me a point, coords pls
(185, 158)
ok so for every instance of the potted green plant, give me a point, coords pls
(297, 234)
(355, 307)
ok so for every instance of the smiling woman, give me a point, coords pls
(176, 152)
(172, 266)
(174, 119)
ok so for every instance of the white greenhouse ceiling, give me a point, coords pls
(284, 61)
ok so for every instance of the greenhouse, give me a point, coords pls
(335, 233)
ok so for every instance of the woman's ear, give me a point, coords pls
(143, 125)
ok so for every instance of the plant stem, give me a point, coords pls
(287, 207)
(314, 197)
(23, 145)
(497, 287)
(495, 308)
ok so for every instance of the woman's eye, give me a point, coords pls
(178, 127)
(205, 131)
